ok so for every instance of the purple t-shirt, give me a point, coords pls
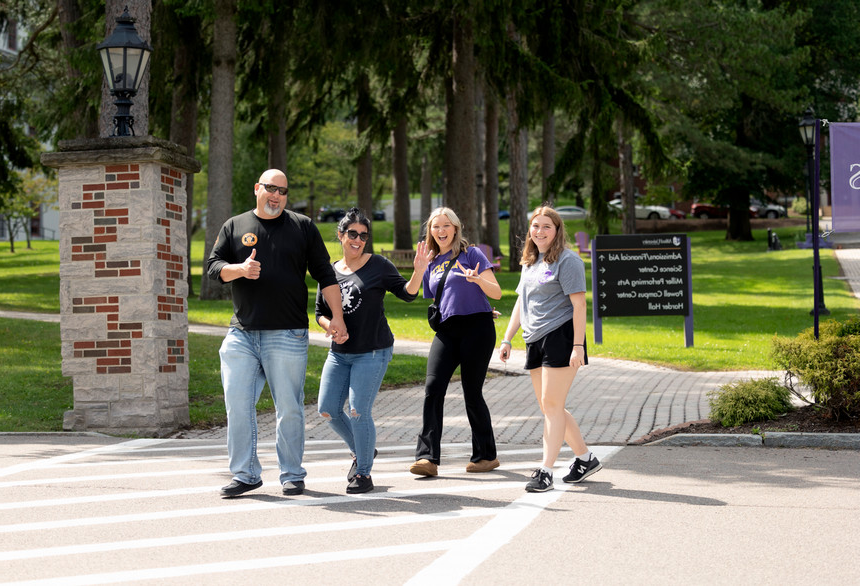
(460, 296)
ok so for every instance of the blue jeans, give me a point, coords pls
(356, 377)
(248, 360)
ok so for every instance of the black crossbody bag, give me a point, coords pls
(434, 311)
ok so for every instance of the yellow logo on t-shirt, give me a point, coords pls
(249, 239)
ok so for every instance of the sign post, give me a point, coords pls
(641, 275)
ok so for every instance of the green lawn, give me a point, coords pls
(742, 297)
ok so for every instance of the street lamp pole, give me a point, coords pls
(810, 131)
(807, 132)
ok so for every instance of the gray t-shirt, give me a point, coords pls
(544, 291)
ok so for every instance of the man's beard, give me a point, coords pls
(271, 211)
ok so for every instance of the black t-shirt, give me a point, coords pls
(287, 247)
(362, 294)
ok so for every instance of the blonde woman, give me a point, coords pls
(465, 338)
(551, 309)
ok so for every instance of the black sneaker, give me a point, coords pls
(353, 470)
(359, 484)
(580, 470)
(238, 487)
(541, 481)
(294, 487)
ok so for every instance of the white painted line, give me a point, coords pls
(364, 524)
(252, 506)
(104, 498)
(216, 471)
(459, 562)
(166, 493)
(104, 477)
(243, 565)
(49, 462)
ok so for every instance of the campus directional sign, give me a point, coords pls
(641, 275)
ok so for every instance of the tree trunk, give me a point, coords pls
(625, 180)
(426, 187)
(738, 225)
(518, 156)
(364, 171)
(491, 173)
(450, 147)
(86, 116)
(219, 206)
(598, 202)
(547, 157)
(183, 115)
(461, 131)
(400, 162)
(277, 132)
(141, 11)
(480, 140)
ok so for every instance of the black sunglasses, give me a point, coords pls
(353, 234)
(273, 188)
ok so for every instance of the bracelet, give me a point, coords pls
(581, 345)
(508, 342)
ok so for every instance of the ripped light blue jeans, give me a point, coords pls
(355, 378)
(250, 358)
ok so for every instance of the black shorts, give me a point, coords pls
(554, 349)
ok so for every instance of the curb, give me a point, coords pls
(832, 441)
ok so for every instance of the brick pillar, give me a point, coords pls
(124, 322)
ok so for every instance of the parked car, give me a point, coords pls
(767, 210)
(644, 212)
(327, 214)
(677, 214)
(572, 212)
(707, 210)
(504, 215)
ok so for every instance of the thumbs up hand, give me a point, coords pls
(251, 267)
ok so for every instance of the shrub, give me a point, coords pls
(829, 367)
(798, 207)
(745, 401)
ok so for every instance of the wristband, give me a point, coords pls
(508, 343)
(581, 345)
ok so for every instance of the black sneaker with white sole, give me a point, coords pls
(541, 481)
(580, 470)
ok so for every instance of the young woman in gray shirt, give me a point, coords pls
(551, 309)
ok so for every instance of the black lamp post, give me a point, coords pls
(124, 58)
(807, 132)
(810, 132)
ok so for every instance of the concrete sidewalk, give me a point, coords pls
(614, 401)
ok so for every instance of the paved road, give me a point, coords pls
(98, 510)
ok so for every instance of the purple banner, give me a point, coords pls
(845, 176)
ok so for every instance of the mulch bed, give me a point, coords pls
(806, 419)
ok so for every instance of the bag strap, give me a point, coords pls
(443, 279)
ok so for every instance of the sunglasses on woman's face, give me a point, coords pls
(353, 234)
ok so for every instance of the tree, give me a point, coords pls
(460, 129)
(725, 77)
(220, 189)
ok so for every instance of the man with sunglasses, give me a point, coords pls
(265, 253)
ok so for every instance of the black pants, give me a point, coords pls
(468, 342)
